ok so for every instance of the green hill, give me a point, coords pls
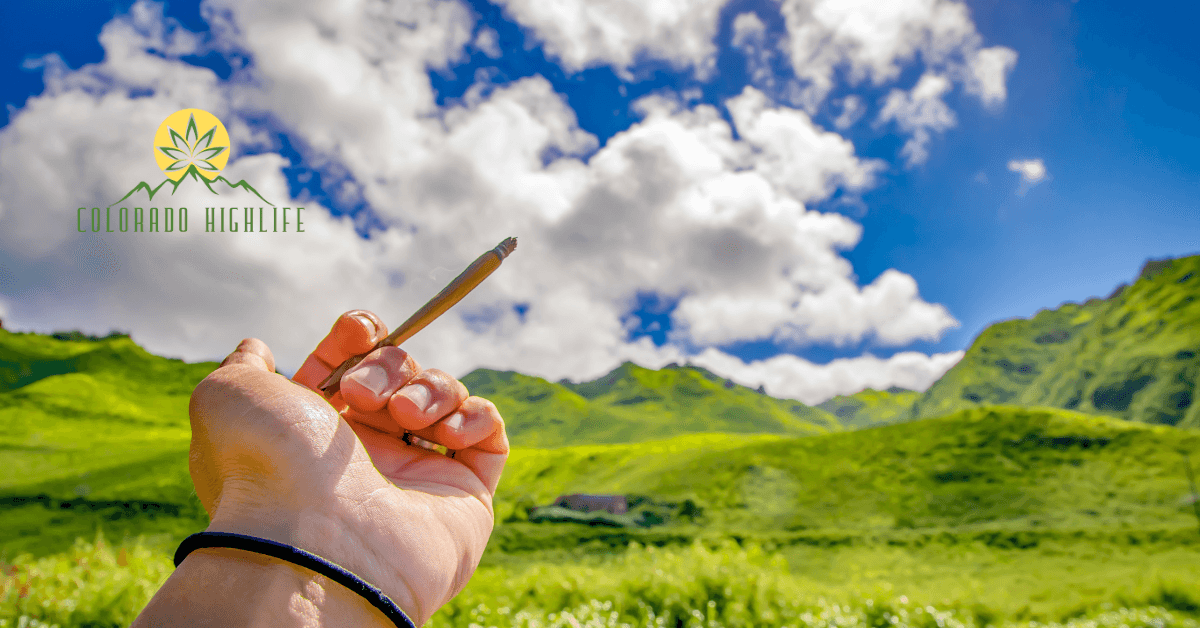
(1134, 355)
(1024, 471)
(94, 431)
(1059, 510)
(997, 493)
(870, 407)
(633, 404)
(1022, 467)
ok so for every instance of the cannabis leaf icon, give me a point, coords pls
(192, 149)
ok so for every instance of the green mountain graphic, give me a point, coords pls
(193, 174)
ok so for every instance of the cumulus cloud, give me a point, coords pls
(873, 41)
(1032, 171)
(583, 34)
(488, 42)
(794, 153)
(750, 36)
(889, 309)
(876, 40)
(852, 110)
(748, 30)
(988, 76)
(920, 112)
(790, 377)
(673, 205)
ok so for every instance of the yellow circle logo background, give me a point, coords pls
(191, 140)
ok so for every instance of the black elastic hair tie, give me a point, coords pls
(299, 557)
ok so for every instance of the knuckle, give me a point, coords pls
(410, 362)
(481, 406)
(440, 380)
(392, 354)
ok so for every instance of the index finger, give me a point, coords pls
(352, 333)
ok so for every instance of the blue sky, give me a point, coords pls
(1108, 100)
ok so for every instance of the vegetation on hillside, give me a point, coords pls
(869, 407)
(633, 404)
(1135, 355)
(1048, 486)
(998, 467)
(96, 585)
(95, 433)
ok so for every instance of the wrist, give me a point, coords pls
(231, 587)
(334, 537)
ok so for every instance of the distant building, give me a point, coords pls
(612, 504)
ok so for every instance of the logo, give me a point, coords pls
(191, 147)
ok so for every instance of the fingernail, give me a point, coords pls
(370, 325)
(455, 422)
(418, 394)
(371, 377)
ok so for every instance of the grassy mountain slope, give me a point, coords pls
(1135, 355)
(870, 407)
(1022, 468)
(94, 431)
(987, 473)
(26, 358)
(636, 404)
(538, 413)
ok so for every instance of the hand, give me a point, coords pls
(272, 458)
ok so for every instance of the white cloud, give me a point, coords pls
(920, 112)
(1032, 171)
(889, 309)
(750, 36)
(674, 205)
(875, 40)
(488, 42)
(989, 70)
(748, 30)
(872, 41)
(584, 34)
(790, 377)
(852, 110)
(797, 155)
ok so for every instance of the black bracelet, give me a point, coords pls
(300, 557)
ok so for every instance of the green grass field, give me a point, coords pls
(856, 513)
(939, 584)
(993, 515)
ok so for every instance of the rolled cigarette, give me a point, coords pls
(483, 266)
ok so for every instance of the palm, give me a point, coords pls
(416, 468)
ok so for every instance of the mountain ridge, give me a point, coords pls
(632, 403)
(1132, 355)
(1151, 378)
